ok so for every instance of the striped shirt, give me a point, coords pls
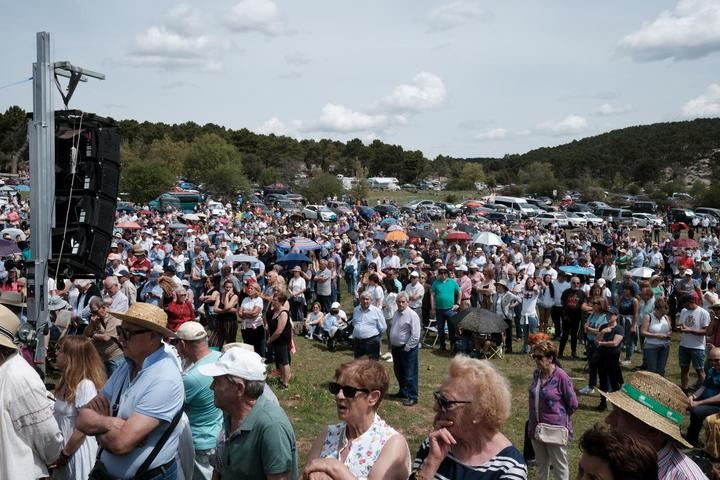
(675, 465)
(508, 464)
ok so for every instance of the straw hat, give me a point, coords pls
(12, 298)
(654, 401)
(138, 250)
(147, 316)
(9, 324)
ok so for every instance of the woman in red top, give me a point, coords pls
(179, 311)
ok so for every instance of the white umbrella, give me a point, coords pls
(191, 217)
(642, 272)
(14, 234)
(488, 238)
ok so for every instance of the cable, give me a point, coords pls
(16, 83)
(74, 154)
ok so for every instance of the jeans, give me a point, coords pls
(527, 329)
(369, 347)
(405, 366)
(655, 358)
(442, 316)
(697, 415)
(630, 338)
(168, 473)
(351, 282)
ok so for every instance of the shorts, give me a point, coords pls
(696, 356)
(282, 354)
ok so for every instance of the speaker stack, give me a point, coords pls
(85, 202)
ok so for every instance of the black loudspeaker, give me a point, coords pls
(87, 173)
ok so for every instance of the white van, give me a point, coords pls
(518, 205)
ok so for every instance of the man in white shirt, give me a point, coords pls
(694, 321)
(391, 260)
(558, 287)
(415, 292)
(114, 297)
(405, 341)
(547, 269)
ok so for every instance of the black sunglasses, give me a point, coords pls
(348, 391)
(128, 334)
(444, 404)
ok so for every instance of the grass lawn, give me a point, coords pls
(310, 406)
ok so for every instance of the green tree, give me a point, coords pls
(143, 180)
(171, 153)
(208, 152)
(360, 189)
(267, 176)
(225, 180)
(473, 172)
(322, 186)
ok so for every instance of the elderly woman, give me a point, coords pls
(551, 402)
(180, 310)
(471, 406)
(362, 445)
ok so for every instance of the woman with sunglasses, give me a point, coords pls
(551, 402)
(362, 445)
(592, 327)
(471, 407)
(83, 376)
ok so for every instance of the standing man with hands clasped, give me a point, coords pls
(405, 340)
(446, 302)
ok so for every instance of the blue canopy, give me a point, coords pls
(292, 259)
(576, 270)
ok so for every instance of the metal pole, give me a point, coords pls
(42, 190)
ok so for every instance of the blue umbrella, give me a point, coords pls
(378, 235)
(576, 270)
(292, 259)
(388, 221)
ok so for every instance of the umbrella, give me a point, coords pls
(303, 244)
(479, 320)
(576, 270)
(684, 243)
(7, 188)
(14, 233)
(223, 220)
(378, 235)
(22, 188)
(464, 227)
(128, 226)
(395, 228)
(178, 226)
(242, 258)
(458, 236)
(423, 234)
(292, 259)
(396, 236)
(353, 235)
(488, 238)
(145, 212)
(8, 247)
(388, 221)
(191, 217)
(642, 272)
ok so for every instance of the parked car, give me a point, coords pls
(319, 212)
(432, 211)
(683, 215)
(643, 220)
(271, 198)
(715, 212)
(451, 210)
(386, 209)
(413, 205)
(499, 217)
(538, 203)
(549, 219)
(579, 207)
(289, 207)
(340, 208)
(408, 187)
(260, 209)
(367, 213)
(643, 206)
(296, 197)
(575, 220)
(597, 206)
(592, 219)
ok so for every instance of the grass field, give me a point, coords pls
(310, 406)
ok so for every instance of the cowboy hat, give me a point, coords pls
(12, 298)
(654, 401)
(147, 316)
(9, 324)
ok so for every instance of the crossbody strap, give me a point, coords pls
(537, 398)
(160, 443)
(114, 408)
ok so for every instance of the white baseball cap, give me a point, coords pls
(335, 305)
(237, 362)
(414, 274)
(191, 331)
(688, 272)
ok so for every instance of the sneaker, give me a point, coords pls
(587, 390)
(409, 402)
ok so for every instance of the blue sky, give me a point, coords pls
(459, 77)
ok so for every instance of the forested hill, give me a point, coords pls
(640, 154)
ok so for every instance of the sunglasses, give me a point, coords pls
(348, 391)
(444, 404)
(128, 334)
(538, 356)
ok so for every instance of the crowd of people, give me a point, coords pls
(153, 383)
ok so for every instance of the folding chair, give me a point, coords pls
(430, 328)
(498, 350)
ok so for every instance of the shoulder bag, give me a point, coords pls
(544, 432)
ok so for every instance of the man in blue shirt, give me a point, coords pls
(368, 325)
(139, 401)
(205, 418)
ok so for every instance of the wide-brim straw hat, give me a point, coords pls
(654, 401)
(147, 316)
(15, 299)
(9, 324)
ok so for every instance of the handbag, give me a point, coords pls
(544, 432)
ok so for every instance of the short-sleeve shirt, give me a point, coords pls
(156, 391)
(609, 336)
(444, 292)
(264, 444)
(205, 418)
(696, 319)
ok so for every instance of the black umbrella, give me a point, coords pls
(464, 227)
(479, 320)
(353, 235)
(428, 234)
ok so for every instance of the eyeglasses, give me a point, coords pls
(444, 404)
(348, 391)
(128, 334)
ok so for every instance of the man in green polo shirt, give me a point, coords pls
(258, 440)
(446, 302)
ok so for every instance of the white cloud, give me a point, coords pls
(607, 110)
(707, 105)
(185, 19)
(338, 118)
(297, 59)
(161, 41)
(426, 91)
(690, 30)
(569, 125)
(454, 14)
(255, 15)
(493, 134)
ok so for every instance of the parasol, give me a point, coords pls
(191, 217)
(8, 247)
(292, 259)
(388, 221)
(15, 234)
(178, 226)
(422, 234)
(393, 228)
(685, 243)
(457, 236)
(396, 236)
(479, 320)
(242, 258)
(129, 226)
(488, 238)
(576, 270)
(642, 272)
(303, 244)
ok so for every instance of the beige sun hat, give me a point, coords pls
(9, 324)
(653, 400)
(15, 299)
(147, 316)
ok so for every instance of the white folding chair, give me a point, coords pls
(431, 328)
